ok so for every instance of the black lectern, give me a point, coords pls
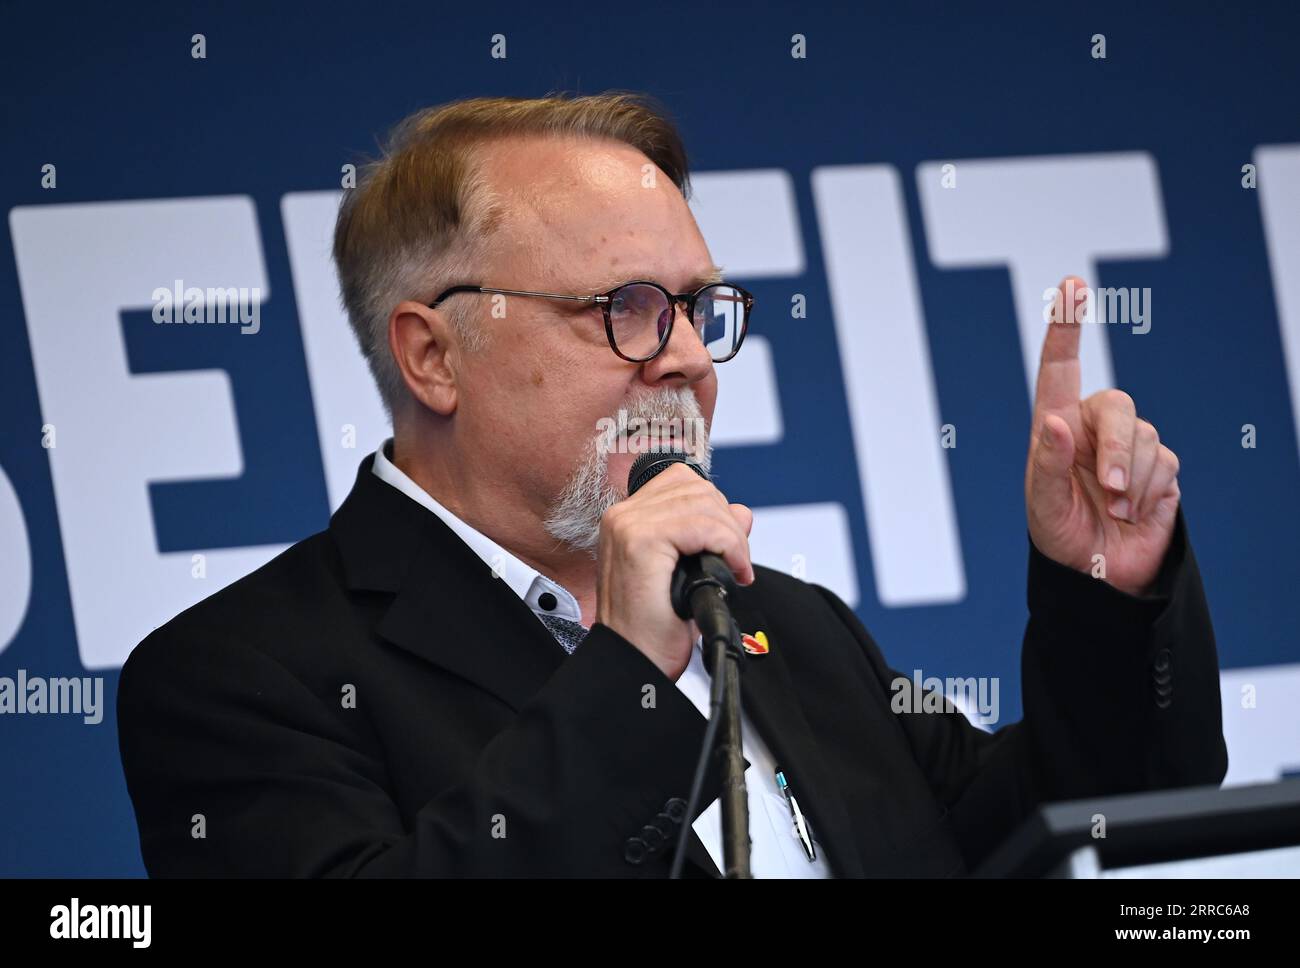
(1191, 832)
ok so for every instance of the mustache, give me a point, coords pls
(668, 422)
(662, 406)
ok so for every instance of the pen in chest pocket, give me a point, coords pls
(800, 821)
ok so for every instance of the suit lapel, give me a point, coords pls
(768, 698)
(447, 608)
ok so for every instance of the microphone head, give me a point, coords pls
(651, 464)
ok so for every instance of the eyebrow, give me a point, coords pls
(699, 280)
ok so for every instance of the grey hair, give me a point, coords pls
(421, 217)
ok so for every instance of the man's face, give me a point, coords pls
(583, 217)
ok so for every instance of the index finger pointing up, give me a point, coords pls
(1058, 367)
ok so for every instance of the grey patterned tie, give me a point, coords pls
(568, 633)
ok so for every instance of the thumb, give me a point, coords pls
(744, 517)
(1050, 486)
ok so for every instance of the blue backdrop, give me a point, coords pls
(820, 136)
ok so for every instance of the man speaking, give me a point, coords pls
(476, 669)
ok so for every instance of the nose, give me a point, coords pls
(684, 359)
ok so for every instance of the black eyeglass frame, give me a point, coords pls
(605, 299)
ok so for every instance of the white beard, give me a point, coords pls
(574, 516)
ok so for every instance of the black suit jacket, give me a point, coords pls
(374, 703)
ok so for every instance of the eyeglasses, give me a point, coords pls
(639, 316)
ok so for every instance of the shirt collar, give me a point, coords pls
(524, 580)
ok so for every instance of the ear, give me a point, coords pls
(424, 347)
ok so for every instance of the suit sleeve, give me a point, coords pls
(236, 768)
(1120, 695)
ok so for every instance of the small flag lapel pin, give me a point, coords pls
(756, 644)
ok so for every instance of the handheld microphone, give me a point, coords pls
(701, 582)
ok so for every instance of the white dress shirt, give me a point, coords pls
(774, 851)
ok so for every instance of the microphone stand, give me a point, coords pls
(699, 590)
(722, 651)
(735, 799)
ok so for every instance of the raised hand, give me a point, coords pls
(1098, 480)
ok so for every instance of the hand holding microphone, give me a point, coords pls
(642, 538)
